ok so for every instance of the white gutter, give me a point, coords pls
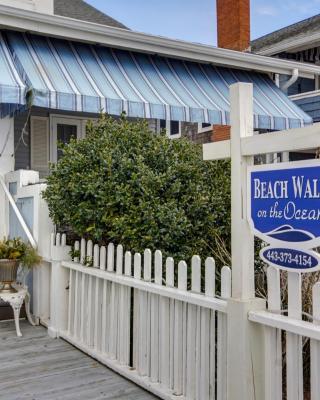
(291, 81)
(68, 28)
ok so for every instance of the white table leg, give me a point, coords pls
(27, 304)
(16, 313)
(16, 304)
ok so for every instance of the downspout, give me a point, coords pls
(291, 81)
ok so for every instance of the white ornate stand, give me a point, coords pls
(16, 300)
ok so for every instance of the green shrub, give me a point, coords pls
(124, 184)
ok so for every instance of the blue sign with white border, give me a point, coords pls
(290, 259)
(284, 211)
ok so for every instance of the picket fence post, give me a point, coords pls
(245, 360)
(59, 286)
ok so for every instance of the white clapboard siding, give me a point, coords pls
(127, 311)
(39, 145)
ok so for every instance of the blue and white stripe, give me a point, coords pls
(12, 88)
(85, 78)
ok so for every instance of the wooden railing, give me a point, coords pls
(136, 314)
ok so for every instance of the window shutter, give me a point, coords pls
(40, 145)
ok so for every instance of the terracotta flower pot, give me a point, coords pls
(8, 275)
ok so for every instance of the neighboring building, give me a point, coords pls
(297, 42)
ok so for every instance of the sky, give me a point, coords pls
(195, 20)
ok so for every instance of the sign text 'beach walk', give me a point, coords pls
(284, 211)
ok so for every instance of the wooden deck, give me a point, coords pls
(36, 367)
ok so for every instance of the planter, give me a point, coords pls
(8, 275)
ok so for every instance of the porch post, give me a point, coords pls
(6, 165)
(245, 340)
(242, 241)
(59, 286)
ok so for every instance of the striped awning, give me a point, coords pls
(74, 76)
(12, 88)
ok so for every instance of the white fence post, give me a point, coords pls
(245, 364)
(59, 286)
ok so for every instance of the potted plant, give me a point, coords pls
(14, 252)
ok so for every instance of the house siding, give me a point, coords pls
(22, 147)
(310, 105)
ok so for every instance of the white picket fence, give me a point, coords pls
(136, 314)
(276, 321)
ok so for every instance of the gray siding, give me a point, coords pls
(22, 147)
(310, 105)
(22, 153)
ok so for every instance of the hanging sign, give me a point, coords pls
(284, 211)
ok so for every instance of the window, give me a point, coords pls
(62, 130)
(64, 134)
(173, 128)
(204, 127)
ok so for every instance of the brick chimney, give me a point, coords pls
(233, 24)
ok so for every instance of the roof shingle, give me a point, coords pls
(299, 29)
(79, 9)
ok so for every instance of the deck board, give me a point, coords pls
(36, 367)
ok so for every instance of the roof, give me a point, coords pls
(79, 9)
(289, 33)
(300, 29)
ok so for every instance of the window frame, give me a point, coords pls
(55, 119)
(168, 127)
(206, 129)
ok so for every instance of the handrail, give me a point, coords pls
(18, 214)
(196, 299)
(298, 327)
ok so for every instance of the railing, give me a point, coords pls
(164, 327)
(296, 331)
(136, 315)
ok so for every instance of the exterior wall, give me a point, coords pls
(190, 130)
(22, 142)
(311, 105)
(302, 85)
(22, 153)
(43, 6)
(220, 132)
